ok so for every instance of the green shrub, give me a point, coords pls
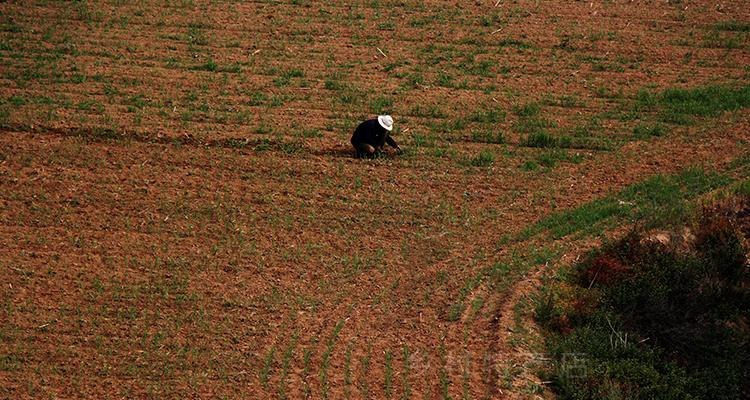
(648, 320)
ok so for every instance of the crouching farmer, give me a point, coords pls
(370, 137)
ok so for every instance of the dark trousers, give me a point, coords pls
(364, 150)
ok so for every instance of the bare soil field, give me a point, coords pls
(181, 215)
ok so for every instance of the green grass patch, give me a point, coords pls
(566, 101)
(420, 140)
(454, 312)
(413, 80)
(680, 106)
(659, 199)
(645, 131)
(257, 99)
(484, 158)
(447, 126)
(4, 116)
(733, 26)
(719, 40)
(266, 370)
(550, 158)
(387, 26)
(445, 80)
(530, 121)
(478, 68)
(543, 139)
(487, 136)
(488, 116)
(381, 105)
(333, 82)
(91, 106)
(527, 110)
(326, 360)
(17, 100)
(286, 77)
(540, 140)
(532, 125)
(286, 362)
(309, 133)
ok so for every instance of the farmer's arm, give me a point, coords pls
(391, 142)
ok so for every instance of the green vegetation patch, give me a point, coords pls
(659, 199)
(733, 26)
(679, 106)
(644, 131)
(640, 319)
(541, 139)
(484, 158)
(488, 136)
(551, 158)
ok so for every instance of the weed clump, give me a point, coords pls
(488, 136)
(485, 158)
(540, 139)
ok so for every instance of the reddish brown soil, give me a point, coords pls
(160, 242)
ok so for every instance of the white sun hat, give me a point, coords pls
(386, 122)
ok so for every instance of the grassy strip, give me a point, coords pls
(541, 139)
(659, 199)
(680, 106)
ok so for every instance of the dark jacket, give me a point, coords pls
(372, 133)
